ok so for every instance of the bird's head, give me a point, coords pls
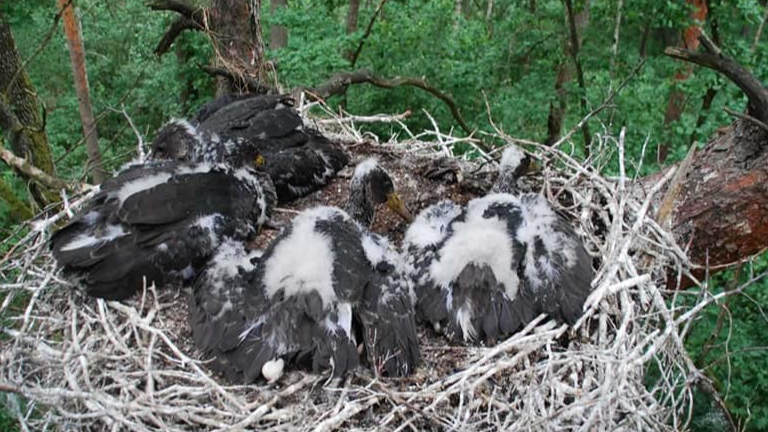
(374, 183)
(514, 164)
(176, 140)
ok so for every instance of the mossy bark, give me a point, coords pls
(238, 45)
(20, 211)
(22, 120)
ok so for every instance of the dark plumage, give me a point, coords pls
(325, 286)
(484, 271)
(263, 131)
(161, 221)
(210, 107)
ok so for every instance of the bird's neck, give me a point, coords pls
(358, 205)
(506, 182)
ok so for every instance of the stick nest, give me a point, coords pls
(75, 363)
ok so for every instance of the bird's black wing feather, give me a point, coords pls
(298, 171)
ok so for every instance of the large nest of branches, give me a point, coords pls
(74, 362)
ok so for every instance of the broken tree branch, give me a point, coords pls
(31, 171)
(714, 59)
(747, 118)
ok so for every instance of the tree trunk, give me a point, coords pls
(352, 17)
(77, 57)
(644, 39)
(236, 30)
(719, 214)
(677, 98)
(352, 14)
(278, 34)
(565, 71)
(20, 116)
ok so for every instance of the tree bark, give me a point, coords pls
(677, 98)
(720, 213)
(352, 14)
(73, 33)
(235, 27)
(20, 115)
(19, 210)
(565, 70)
(278, 34)
(644, 39)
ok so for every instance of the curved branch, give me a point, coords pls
(339, 83)
(178, 26)
(191, 18)
(178, 6)
(714, 59)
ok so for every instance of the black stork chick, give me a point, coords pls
(260, 130)
(327, 294)
(484, 271)
(212, 106)
(160, 221)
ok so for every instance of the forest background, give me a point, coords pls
(513, 58)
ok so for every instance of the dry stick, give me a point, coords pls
(376, 118)
(30, 170)
(139, 138)
(747, 117)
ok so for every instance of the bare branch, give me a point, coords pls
(714, 59)
(31, 171)
(178, 26)
(747, 117)
(178, 6)
(191, 18)
(368, 29)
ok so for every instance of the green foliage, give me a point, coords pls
(509, 60)
(739, 355)
(7, 420)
